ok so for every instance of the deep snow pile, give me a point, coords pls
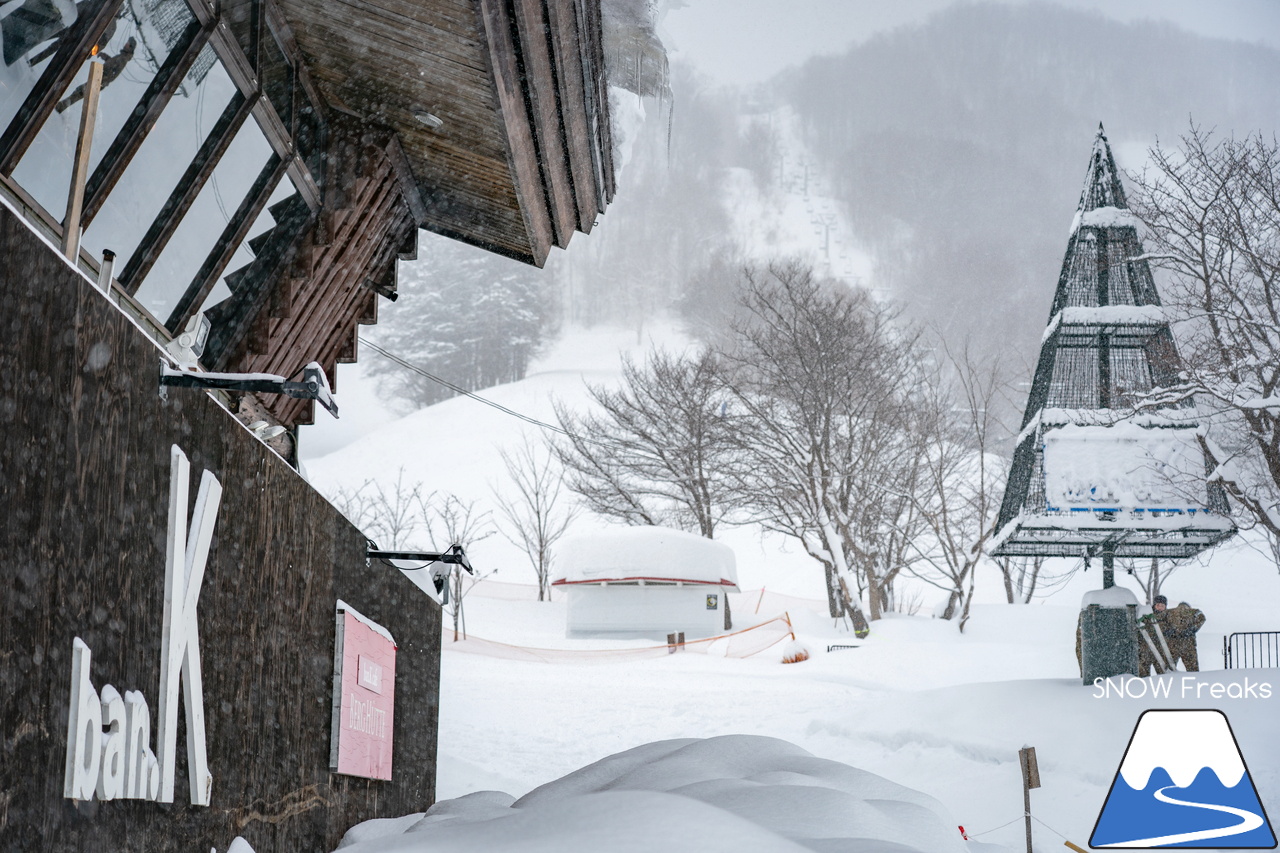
(726, 793)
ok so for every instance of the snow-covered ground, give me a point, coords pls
(917, 703)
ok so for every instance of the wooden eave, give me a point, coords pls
(521, 160)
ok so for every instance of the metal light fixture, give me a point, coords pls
(314, 384)
(264, 430)
(453, 555)
(429, 119)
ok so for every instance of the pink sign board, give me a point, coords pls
(364, 697)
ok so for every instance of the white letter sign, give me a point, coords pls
(119, 763)
(180, 644)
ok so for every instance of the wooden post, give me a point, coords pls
(1030, 779)
(80, 172)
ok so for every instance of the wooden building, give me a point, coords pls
(482, 120)
(171, 640)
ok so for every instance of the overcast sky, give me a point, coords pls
(748, 41)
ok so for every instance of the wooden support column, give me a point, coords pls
(184, 194)
(80, 167)
(73, 50)
(232, 236)
(144, 117)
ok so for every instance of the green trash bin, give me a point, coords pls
(1108, 641)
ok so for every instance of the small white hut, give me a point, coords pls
(646, 581)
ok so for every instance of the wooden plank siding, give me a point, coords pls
(327, 297)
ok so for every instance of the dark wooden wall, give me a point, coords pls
(84, 484)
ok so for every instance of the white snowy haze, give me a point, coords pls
(931, 153)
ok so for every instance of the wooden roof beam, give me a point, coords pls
(522, 153)
(541, 76)
(232, 236)
(567, 40)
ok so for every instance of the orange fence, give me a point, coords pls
(739, 644)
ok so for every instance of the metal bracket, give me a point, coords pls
(314, 384)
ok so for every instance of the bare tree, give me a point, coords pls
(821, 421)
(535, 515)
(389, 517)
(958, 489)
(1154, 577)
(652, 451)
(1212, 207)
(449, 520)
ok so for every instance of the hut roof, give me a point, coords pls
(656, 554)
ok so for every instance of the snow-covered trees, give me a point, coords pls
(652, 451)
(813, 414)
(822, 413)
(959, 482)
(468, 316)
(1212, 207)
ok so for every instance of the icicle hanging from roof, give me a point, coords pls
(1091, 473)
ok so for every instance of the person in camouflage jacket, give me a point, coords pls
(1179, 626)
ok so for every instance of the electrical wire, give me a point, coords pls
(994, 828)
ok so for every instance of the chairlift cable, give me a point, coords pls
(460, 390)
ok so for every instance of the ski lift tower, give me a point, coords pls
(1094, 475)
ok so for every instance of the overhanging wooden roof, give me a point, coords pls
(522, 158)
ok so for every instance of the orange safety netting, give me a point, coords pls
(739, 644)
(762, 601)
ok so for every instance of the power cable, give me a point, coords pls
(460, 390)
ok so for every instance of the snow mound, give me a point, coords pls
(653, 553)
(729, 793)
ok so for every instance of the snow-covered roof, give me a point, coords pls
(1104, 217)
(365, 620)
(657, 554)
(1113, 315)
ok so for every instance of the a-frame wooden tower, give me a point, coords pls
(1099, 470)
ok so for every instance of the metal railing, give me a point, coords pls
(1251, 650)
